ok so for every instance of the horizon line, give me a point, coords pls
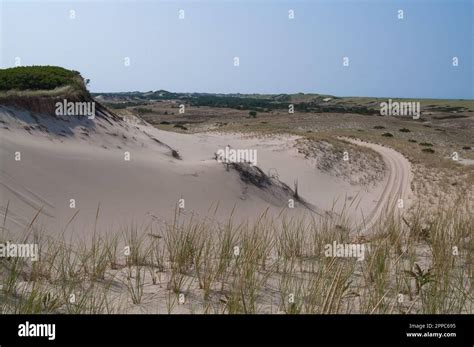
(296, 93)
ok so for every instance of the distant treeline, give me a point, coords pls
(240, 103)
(265, 103)
(37, 78)
(123, 105)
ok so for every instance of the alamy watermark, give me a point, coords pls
(75, 108)
(400, 108)
(346, 250)
(230, 155)
(37, 330)
(19, 250)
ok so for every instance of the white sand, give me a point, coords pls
(91, 169)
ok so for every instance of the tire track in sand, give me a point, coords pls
(396, 187)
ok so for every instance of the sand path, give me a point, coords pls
(397, 187)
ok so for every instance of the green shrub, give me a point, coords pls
(38, 78)
(387, 135)
(144, 110)
(404, 130)
(426, 144)
(428, 150)
(379, 127)
(180, 126)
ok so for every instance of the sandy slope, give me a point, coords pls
(84, 160)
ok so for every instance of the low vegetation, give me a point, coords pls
(37, 78)
(417, 263)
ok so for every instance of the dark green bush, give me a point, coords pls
(37, 78)
(144, 110)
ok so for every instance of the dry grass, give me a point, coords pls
(417, 263)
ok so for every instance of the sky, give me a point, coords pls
(388, 56)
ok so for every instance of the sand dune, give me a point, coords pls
(84, 160)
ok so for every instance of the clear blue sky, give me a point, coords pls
(388, 57)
